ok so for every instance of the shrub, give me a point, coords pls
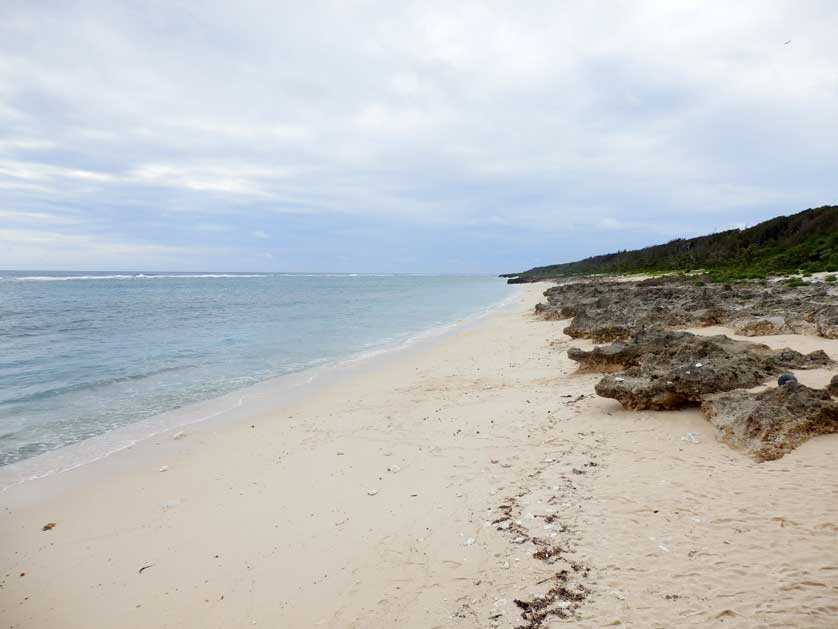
(796, 281)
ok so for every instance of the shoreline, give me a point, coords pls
(459, 485)
(274, 393)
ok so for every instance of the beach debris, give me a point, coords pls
(163, 468)
(340, 453)
(769, 424)
(140, 571)
(560, 601)
(395, 469)
(786, 378)
(691, 437)
(179, 435)
(169, 504)
(469, 541)
(371, 492)
(464, 611)
(48, 526)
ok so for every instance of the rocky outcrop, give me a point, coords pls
(548, 312)
(605, 311)
(769, 424)
(665, 370)
(826, 321)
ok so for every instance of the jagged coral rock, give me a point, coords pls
(666, 370)
(771, 423)
(607, 310)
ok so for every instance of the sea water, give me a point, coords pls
(82, 354)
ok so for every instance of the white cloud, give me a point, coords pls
(560, 116)
(12, 216)
(213, 228)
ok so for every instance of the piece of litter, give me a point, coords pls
(699, 365)
(371, 492)
(171, 503)
(179, 435)
(663, 548)
(395, 469)
(691, 437)
(618, 379)
(48, 526)
(469, 541)
(145, 568)
(163, 468)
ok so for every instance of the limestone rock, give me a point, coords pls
(769, 424)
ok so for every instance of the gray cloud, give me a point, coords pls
(510, 135)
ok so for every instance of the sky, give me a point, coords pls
(441, 137)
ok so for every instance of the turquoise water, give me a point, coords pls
(85, 353)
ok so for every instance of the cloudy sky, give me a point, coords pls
(401, 136)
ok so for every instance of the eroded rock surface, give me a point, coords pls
(605, 311)
(769, 424)
(665, 370)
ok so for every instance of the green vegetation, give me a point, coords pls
(829, 278)
(803, 243)
(796, 281)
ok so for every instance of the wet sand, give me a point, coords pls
(415, 494)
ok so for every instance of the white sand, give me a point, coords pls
(269, 523)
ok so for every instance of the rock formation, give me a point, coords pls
(769, 424)
(665, 370)
(605, 311)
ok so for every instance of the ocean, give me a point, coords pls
(82, 354)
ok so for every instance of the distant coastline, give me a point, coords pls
(806, 242)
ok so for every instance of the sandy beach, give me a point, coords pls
(416, 494)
